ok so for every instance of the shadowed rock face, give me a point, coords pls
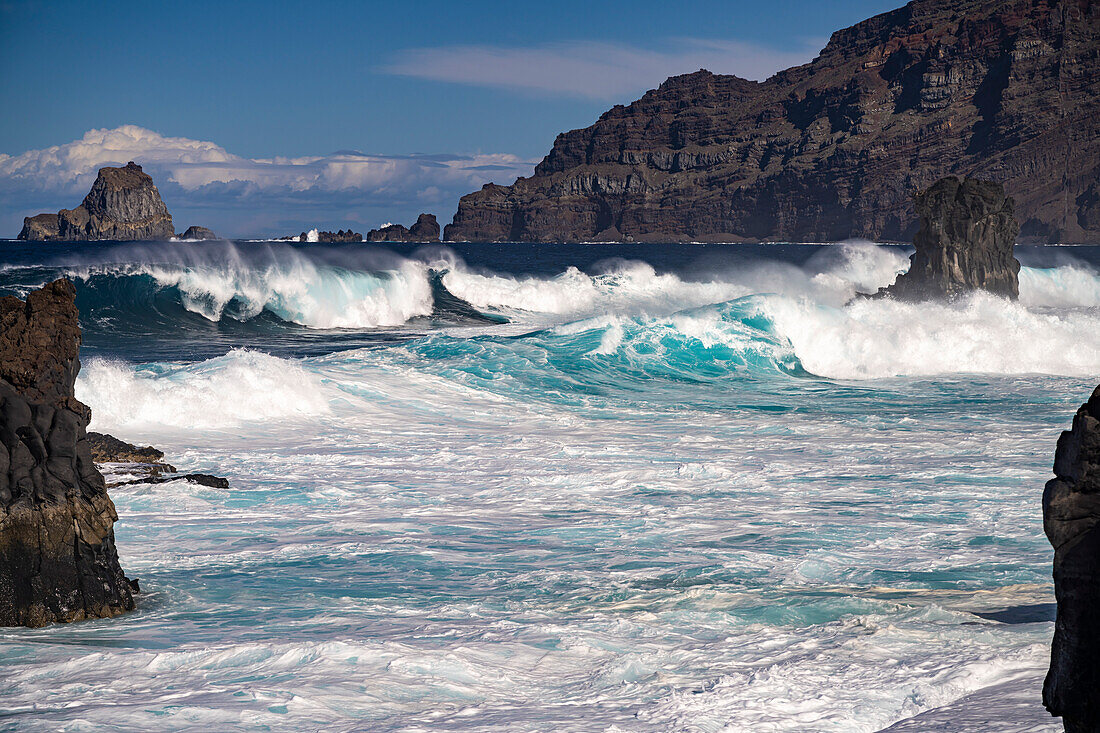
(426, 229)
(1071, 518)
(1008, 91)
(123, 204)
(965, 242)
(57, 551)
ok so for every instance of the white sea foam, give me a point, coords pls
(242, 386)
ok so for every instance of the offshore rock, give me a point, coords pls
(340, 236)
(832, 149)
(123, 204)
(967, 233)
(57, 550)
(426, 229)
(194, 232)
(1071, 518)
(40, 228)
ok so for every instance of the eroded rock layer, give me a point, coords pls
(833, 149)
(57, 551)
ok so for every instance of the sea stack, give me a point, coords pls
(123, 205)
(196, 232)
(1071, 515)
(57, 548)
(425, 230)
(967, 233)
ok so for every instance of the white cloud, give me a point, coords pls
(593, 69)
(199, 174)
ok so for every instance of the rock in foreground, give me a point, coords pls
(1071, 518)
(123, 205)
(967, 233)
(57, 549)
(425, 230)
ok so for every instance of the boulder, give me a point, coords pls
(58, 560)
(1071, 519)
(965, 242)
(123, 204)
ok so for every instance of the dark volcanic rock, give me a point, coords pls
(965, 242)
(40, 228)
(123, 204)
(57, 550)
(194, 232)
(426, 229)
(830, 150)
(109, 449)
(389, 233)
(1071, 518)
(340, 236)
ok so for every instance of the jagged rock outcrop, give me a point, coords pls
(57, 550)
(340, 236)
(194, 232)
(833, 149)
(1071, 518)
(40, 228)
(426, 229)
(967, 233)
(123, 204)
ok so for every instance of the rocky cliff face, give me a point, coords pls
(1007, 91)
(123, 204)
(57, 551)
(967, 233)
(1071, 518)
(426, 229)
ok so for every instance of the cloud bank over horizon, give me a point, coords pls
(203, 183)
(595, 69)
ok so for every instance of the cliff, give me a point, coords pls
(1071, 518)
(57, 551)
(426, 229)
(967, 234)
(833, 149)
(123, 204)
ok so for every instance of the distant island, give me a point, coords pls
(833, 149)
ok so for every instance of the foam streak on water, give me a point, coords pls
(652, 501)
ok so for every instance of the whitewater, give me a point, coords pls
(568, 488)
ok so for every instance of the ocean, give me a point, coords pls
(564, 488)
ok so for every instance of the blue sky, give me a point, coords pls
(482, 88)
